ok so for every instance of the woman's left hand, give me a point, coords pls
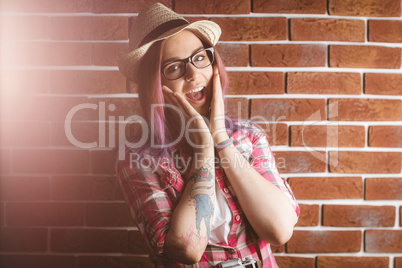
(217, 117)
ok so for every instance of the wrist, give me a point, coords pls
(224, 144)
(220, 137)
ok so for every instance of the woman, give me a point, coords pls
(203, 189)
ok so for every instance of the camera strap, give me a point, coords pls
(254, 237)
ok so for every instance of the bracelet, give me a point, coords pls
(222, 145)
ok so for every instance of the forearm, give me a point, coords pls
(266, 207)
(189, 231)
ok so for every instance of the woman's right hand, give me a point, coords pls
(196, 128)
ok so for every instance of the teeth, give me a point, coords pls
(195, 90)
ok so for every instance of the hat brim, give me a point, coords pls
(204, 29)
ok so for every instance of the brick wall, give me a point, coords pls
(323, 78)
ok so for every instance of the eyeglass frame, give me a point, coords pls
(189, 60)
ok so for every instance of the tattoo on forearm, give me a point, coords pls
(194, 242)
(201, 191)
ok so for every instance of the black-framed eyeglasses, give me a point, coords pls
(201, 59)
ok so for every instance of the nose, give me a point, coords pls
(191, 72)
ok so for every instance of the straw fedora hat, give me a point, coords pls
(155, 23)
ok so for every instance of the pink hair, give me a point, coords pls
(150, 93)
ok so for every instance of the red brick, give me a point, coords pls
(14, 188)
(314, 29)
(136, 243)
(45, 214)
(364, 162)
(397, 262)
(89, 240)
(364, 109)
(400, 216)
(106, 136)
(86, 188)
(43, 261)
(277, 249)
(277, 134)
(385, 136)
(364, 57)
(2, 213)
(108, 215)
(5, 163)
(323, 83)
(383, 189)
(61, 107)
(15, 134)
(256, 83)
(384, 241)
(82, 132)
(107, 261)
(125, 107)
(125, 6)
(309, 215)
(24, 27)
(47, 6)
(327, 187)
(212, 7)
(358, 216)
(49, 53)
(327, 136)
(352, 262)
(108, 54)
(89, 28)
(23, 239)
(252, 29)
(34, 82)
(288, 55)
(374, 8)
(237, 108)
(324, 242)
(385, 31)
(103, 162)
(91, 82)
(298, 162)
(383, 84)
(45, 108)
(132, 87)
(292, 6)
(50, 161)
(295, 262)
(233, 54)
(288, 109)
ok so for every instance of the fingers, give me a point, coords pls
(169, 95)
(217, 79)
(217, 98)
(167, 90)
(217, 86)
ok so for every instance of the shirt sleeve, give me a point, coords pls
(264, 163)
(149, 204)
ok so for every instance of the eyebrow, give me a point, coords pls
(177, 59)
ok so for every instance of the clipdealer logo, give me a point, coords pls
(332, 129)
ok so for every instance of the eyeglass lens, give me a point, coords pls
(177, 69)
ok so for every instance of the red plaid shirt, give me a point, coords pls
(153, 194)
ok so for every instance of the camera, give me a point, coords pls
(248, 262)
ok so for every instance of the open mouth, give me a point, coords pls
(196, 95)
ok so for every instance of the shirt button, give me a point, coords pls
(237, 218)
(226, 190)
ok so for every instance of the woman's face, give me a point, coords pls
(195, 84)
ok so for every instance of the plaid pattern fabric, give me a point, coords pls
(152, 194)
